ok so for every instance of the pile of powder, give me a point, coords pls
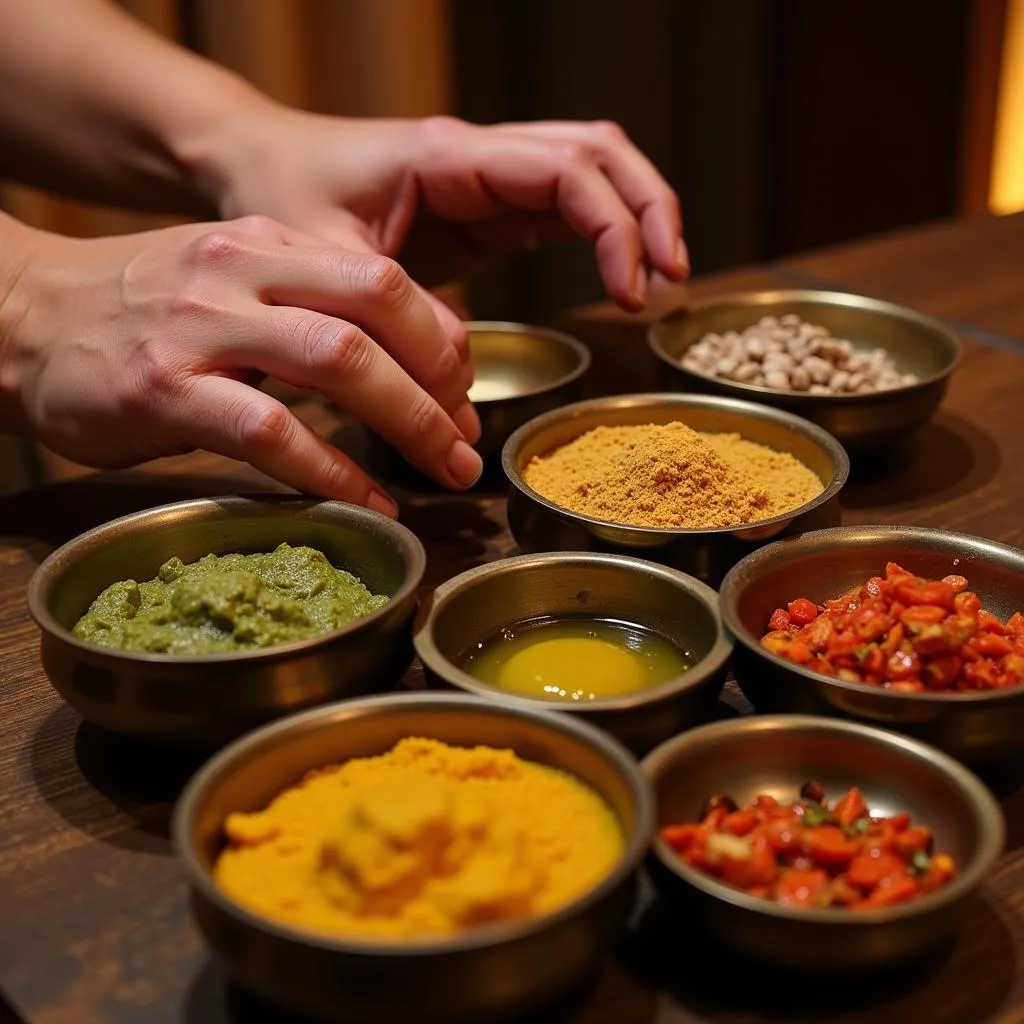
(671, 476)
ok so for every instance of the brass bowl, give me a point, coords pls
(540, 525)
(777, 754)
(519, 372)
(916, 343)
(484, 972)
(208, 699)
(973, 727)
(476, 604)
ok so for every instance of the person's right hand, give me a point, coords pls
(119, 350)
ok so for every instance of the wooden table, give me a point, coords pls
(95, 926)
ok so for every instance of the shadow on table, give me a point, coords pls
(213, 999)
(88, 776)
(716, 985)
(62, 511)
(948, 458)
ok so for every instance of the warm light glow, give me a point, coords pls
(1007, 191)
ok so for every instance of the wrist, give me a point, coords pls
(210, 147)
(19, 249)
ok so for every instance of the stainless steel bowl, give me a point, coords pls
(777, 754)
(205, 700)
(540, 525)
(916, 343)
(477, 604)
(485, 972)
(971, 726)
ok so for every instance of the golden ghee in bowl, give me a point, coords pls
(576, 659)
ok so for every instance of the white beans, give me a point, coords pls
(788, 354)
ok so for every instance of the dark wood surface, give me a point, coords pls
(95, 926)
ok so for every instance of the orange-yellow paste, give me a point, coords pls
(424, 840)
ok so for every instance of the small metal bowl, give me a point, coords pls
(208, 699)
(476, 604)
(974, 727)
(520, 372)
(540, 525)
(482, 973)
(916, 343)
(776, 755)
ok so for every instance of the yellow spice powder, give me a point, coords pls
(668, 475)
(426, 839)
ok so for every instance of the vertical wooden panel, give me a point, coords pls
(381, 58)
(1007, 194)
(986, 28)
(266, 41)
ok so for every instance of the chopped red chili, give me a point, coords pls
(904, 633)
(814, 853)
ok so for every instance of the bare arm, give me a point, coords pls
(96, 106)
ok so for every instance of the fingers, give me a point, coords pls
(644, 190)
(338, 359)
(230, 418)
(367, 290)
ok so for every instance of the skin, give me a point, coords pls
(320, 238)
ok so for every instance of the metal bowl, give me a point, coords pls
(540, 525)
(484, 972)
(916, 343)
(207, 699)
(519, 372)
(477, 604)
(777, 754)
(971, 726)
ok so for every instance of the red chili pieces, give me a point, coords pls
(904, 633)
(813, 853)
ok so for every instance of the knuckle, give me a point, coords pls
(338, 478)
(337, 348)
(258, 224)
(609, 131)
(382, 278)
(215, 249)
(440, 131)
(448, 366)
(422, 416)
(575, 154)
(191, 302)
(153, 373)
(264, 428)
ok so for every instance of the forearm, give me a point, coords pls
(94, 105)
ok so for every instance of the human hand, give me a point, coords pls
(114, 351)
(444, 196)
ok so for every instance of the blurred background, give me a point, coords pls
(783, 124)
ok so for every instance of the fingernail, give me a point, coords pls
(377, 501)
(682, 257)
(464, 464)
(638, 296)
(468, 421)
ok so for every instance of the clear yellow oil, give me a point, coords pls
(575, 659)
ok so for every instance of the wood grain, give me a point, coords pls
(95, 922)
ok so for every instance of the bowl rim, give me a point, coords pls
(701, 670)
(48, 572)
(835, 451)
(636, 841)
(821, 297)
(990, 818)
(734, 581)
(581, 351)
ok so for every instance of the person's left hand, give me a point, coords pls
(445, 197)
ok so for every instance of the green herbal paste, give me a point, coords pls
(224, 603)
